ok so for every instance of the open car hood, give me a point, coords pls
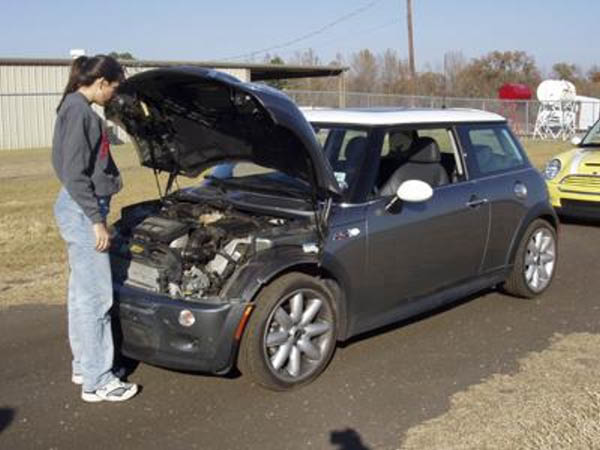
(186, 119)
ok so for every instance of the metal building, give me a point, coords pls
(30, 90)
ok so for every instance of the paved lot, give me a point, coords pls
(373, 392)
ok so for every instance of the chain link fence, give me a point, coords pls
(27, 120)
(521, 114)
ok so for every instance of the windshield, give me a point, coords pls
(592, 138)
(344, 147)
(257, 178)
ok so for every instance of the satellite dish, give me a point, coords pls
(556, 91)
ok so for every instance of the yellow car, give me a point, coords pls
(573, 177)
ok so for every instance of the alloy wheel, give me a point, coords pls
(540, 259)
(298, 335)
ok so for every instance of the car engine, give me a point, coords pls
(188, 250)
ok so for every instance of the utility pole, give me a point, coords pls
(411, 49)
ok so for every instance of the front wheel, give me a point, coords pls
(535, 261)
(291, 335)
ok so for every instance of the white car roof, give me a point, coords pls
(397, 116)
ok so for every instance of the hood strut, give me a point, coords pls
(160, 194)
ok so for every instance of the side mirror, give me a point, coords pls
(412, 191)
(575, 140)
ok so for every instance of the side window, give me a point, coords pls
(427, 154)
(490, 149)
(345, 148)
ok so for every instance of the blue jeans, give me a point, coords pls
(90, 296)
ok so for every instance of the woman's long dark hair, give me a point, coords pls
(85, 70)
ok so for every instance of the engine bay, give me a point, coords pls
(188, 250)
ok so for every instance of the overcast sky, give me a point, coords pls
(550, 30)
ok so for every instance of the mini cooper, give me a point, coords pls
(325, 223)
(573, 177)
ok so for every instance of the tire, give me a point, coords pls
(291, 335)
(535, 261)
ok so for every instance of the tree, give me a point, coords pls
(482, 77)
(594, 74)
(310, 58)
(394, 74)
(430, 83)
(566, 71)
(364, 72)
(278, 83)
(124, 56)
(454, 64)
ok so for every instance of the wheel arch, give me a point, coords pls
(273, 264)
(542, 211)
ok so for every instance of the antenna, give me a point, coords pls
(558, 110)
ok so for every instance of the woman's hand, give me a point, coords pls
(102, 237)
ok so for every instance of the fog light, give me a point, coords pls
(186, 318)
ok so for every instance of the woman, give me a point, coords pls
(83, 163)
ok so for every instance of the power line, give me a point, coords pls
(307, 35)
(345, 36)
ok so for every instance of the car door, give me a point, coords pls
(497, 163)
(417, 249)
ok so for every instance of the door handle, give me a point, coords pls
(475, 201)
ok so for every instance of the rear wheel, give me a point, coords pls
(291, 335)
(535, 261)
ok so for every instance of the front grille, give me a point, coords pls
(581, 183)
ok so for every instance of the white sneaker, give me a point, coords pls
(114, 391)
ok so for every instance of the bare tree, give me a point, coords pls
(394, 73)
(363, 72)
(454, 63)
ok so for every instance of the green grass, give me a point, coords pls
(32, 253)
(540, 152)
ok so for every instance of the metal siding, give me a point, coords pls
(29, 96)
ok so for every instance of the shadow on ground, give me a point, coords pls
(347, 439)
(7, 415)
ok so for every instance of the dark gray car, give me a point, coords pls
(327, 223)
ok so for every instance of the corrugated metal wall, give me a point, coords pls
(29, 95)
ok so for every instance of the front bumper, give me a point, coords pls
(572, 202)
(148, 330)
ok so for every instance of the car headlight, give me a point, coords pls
(552, 169)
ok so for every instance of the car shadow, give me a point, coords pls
(413, 319)
(583, 221)
(7, 415)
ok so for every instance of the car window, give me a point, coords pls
(592, 138)
(490, 149)
(441, 136)
(345, 149)
(402, 158)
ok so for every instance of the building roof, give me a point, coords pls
(258, 72)
(398, 116)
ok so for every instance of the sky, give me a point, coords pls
(194, 30)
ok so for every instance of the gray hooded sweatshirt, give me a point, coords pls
(81, 155)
